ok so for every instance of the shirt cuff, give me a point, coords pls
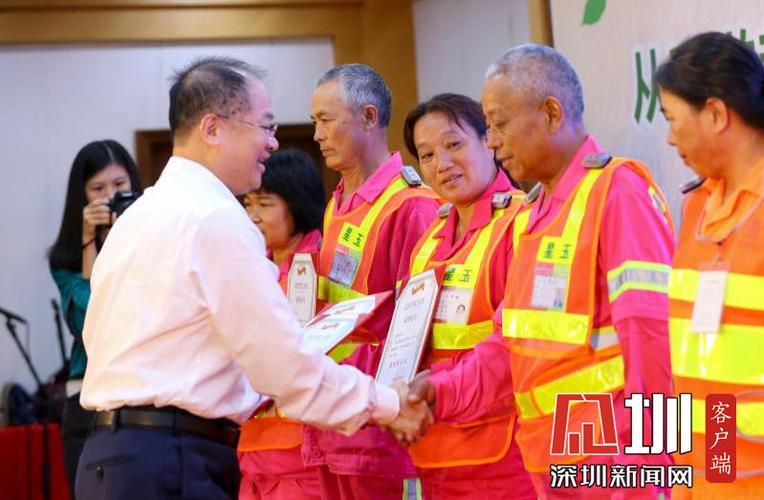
(387, 406)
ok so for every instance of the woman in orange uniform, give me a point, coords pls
(712, 94)
(288, 209)
(472, 240)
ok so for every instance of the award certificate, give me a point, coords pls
(302, 285)
(409, 329)
(333, 324)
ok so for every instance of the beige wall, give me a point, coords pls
(69, 88)
(375, 32)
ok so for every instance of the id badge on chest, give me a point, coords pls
(709, 299)
(453, 305)
(344, 265)
(550, 286)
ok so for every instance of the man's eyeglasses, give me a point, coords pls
(271, 129)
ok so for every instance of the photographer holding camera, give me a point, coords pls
(103, 182)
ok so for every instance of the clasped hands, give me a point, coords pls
(417, 402)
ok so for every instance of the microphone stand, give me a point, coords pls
(9, 323)
(59, 332)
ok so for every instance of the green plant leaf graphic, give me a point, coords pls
(593, 11)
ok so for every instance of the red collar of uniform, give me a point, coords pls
(483, 212)
(374, 185)
(310, 243)
(573, 174)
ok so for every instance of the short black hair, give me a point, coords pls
(66, 251)
(293, 175)
(211, 84)
(459, 108)
(717, 65)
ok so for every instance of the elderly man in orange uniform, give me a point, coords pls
(585, 309)
(374, 219)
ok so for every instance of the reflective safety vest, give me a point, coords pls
(549, 312)
(270, 430)
(467, 278)
(349, 245)
(729, 361)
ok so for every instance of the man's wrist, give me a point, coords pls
(387, 405)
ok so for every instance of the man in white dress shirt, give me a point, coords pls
(186, 322)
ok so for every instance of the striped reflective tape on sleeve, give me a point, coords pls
(638, 275)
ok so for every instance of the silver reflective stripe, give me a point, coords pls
(638, 276)
(606, 338)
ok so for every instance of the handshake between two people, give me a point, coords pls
(417, 400)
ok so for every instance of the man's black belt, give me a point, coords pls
(169, 418)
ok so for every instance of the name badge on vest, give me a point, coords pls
(709, 300)
(347, 255)
(550, 280)
(456, 295)
(302, 283)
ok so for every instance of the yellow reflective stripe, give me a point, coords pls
(526, 408)
(638, 275)
(477, 254)
(379, 203)
(733, 355)
(328, 214)
(466, 275)
(354, 237)
(521, 224)
(425, 253)
(332, 292)
(578, 208)
(698, 416)
(451, 336)
(461, 276)
(606, 376)
(560, 250)
(743, 290)
(556, 326)
(750, 418)
(343, 351)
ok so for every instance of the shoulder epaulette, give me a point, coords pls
(411, 176)
(691, 185)
(533, 194)
(444, 210)
(596, 160)
(500, 200)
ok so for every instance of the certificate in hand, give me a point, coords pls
(302, 285)
(341, 320)
(409, 329)
(335, 323)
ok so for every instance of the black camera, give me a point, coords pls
(122, 200)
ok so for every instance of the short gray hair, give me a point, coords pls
(210, 85)
(539, 71)
(360, 86)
